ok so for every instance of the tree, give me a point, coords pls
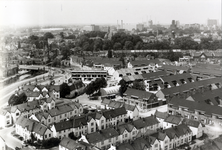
(48, 35)
(110, 54)
(123, 87)
(128, 45)
(64, 90)
(96, 85)
(17, 99)
(72, 136)
(117, 46)
(62, 35)
(19, 44)
(50, 143)
(139, 85)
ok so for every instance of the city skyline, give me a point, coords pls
(50, 12)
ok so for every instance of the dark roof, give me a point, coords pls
(161, 115)
(125, 146)
(138, 93)
(212, 96)
(193, 85)
(207, 71)
(177, 78)
(145, 122)
(58, 110)
(141, 143)
(63, 125)
(79, 121)
(154, 75)
(192, 106)
(159, 135)
(26, 106)
(178, 131)
(70, 144)
(125, 126)
(145, 62)
(174, 68)
(173, 119)
(112, 113)
(192, 123)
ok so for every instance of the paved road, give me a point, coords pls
(9, 139)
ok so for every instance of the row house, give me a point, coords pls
(102, 139)
(160, 116)
(132, 110)
(142, 99)
(147, 123)
(58, 113)
(69, 144)
(176, 80)
(44, 91)
(188, 89)
(172, 120)
(199, 111)
(141, 143)
(77, 125)
(178, 135)
(26, 127)
(127, 132)
(11, 114)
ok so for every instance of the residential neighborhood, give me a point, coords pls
(119, 86)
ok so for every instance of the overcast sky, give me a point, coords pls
(107, 11)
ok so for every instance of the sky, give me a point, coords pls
(58, 12)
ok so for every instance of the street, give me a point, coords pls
(9, 139)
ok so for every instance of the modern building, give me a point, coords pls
(212, 22)
(88, 75)
(140, 27)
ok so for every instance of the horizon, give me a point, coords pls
(59, 13)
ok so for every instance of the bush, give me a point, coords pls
(51, 143)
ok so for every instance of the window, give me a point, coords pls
(7, 117)
(189, 138)
(170, 145)
(182, 141)
(49, 135)
(125, 135)
(110, 140)
(166, 147)
(92, 129)
(60, 116)
(65, 115)
(117, 138)
(17, 114)
(102, 121)
(92, 124)
(70, 113)
(102, 142)
(156, 145)
(45, 136)
(178, 143)
(166, 141)
(49, 120)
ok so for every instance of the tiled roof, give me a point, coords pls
(177, 78)
(174, 68)
(159, 135)
(79, 121)
(145, 122)
(58, 110)
(192, 106)
(193, 85)
(145, 62)
(70, 144)
(139, 93)
(178, 131)
(141, 143)
(125, 146)
(154, 75)
(173, 119)
(125, 126)
(26, 106)
(112, 113)
(161, 115)
(31, 125)
(63, 125)
(192, 123)
(212, 95)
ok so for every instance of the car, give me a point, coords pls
(17, 148)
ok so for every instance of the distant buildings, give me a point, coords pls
(91, 28)
(212, 22)
(140, 27)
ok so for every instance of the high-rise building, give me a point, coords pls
(150, 23)
(140, 27)
(211, 22)
(177, 23)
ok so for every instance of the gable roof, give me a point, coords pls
(160, 114)
(191, 122)
(138, 93)
(145, 122)
(71, 144)
(173, 119)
